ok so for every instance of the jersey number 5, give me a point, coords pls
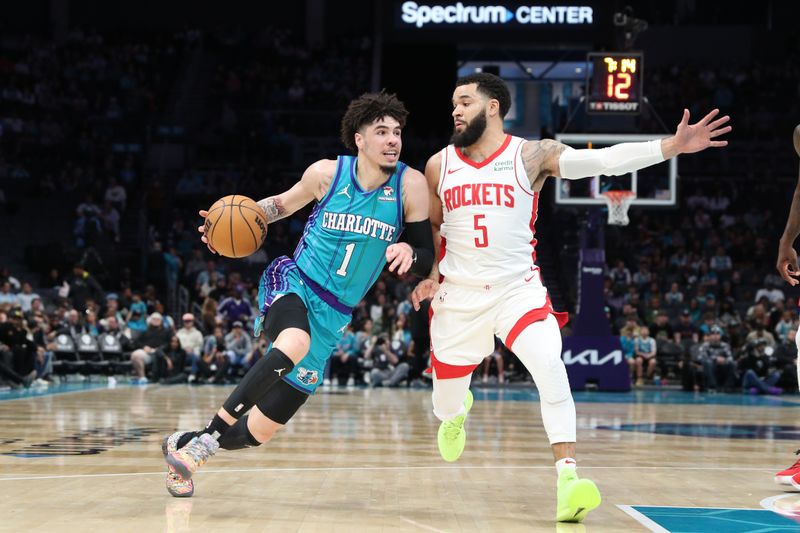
(483, 241)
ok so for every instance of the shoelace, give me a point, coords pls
(452, 429)
(198, 451)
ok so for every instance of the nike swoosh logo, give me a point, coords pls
(450, 171)
(527, 279)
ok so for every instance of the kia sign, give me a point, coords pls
(449, 15)
(597, 360)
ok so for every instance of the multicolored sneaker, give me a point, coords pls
(796, 484)
(188, 459)
(576, 497)
(784, 477)
(452, 436)
(176, 485)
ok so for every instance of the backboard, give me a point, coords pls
(653, 186)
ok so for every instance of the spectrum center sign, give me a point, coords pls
(448, 15)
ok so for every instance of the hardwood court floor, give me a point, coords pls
(366, 460)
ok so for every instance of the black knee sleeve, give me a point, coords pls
(255, 384)
(287, 312)
(281, 402)
(238, 437)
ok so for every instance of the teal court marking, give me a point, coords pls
(55, 388)
(709, 520)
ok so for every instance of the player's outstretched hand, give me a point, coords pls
(202, 230)
(787, 265)
(690, 138)
(425, 290)
(400, 256)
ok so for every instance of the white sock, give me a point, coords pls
(567, 462)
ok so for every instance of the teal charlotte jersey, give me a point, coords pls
(340, 255)
(343, 247)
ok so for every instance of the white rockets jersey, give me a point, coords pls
(489, 215)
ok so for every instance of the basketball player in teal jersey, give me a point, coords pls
(363, 204)
(788, 268)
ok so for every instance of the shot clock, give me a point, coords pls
(614, 82)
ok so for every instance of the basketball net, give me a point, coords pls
(618, 203)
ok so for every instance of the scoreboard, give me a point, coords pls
(614, 82)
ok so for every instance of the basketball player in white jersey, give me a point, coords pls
(789, 270)
(485, 188)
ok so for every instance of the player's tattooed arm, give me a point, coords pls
(273, 207)
(312, 186)
(540, 160)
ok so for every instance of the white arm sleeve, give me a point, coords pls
(612, 161)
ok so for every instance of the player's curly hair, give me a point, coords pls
(492, 86)
(368, 108)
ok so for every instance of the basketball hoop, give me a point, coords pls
(618, 203)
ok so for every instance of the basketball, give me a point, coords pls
(235, 226)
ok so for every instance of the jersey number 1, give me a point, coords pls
(483, 241)
(348, 253)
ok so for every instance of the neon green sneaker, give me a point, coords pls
(452, 436)
(576, 497)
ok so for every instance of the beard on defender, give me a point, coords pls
(471, 133)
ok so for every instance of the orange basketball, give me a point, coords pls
(236, 226)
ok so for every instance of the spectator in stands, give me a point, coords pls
(43, 366)
(88, 228)
(685, 331)
(643, 276)
(238, 345)
(786, 324)
(644, 350)
(661, 329)
(5, 275)
(111, 219)
(772, 292)
(235, 308)
(620, 274)
(716, 358)
(344, 362)
(627, 336)
(116, 195)
(152, 340)
(26, 296)
(7, 296)
(168, 363)
(91, 325)
(721, 263)
(785, 361)
(83, 286)
(190, 337)
(88, 207)
(387, 366)
(758, 375)
(116, 330)
(760, 332)
(73, 324)
(213, 366)
(17, 352)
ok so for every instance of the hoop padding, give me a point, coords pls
(618, 203)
